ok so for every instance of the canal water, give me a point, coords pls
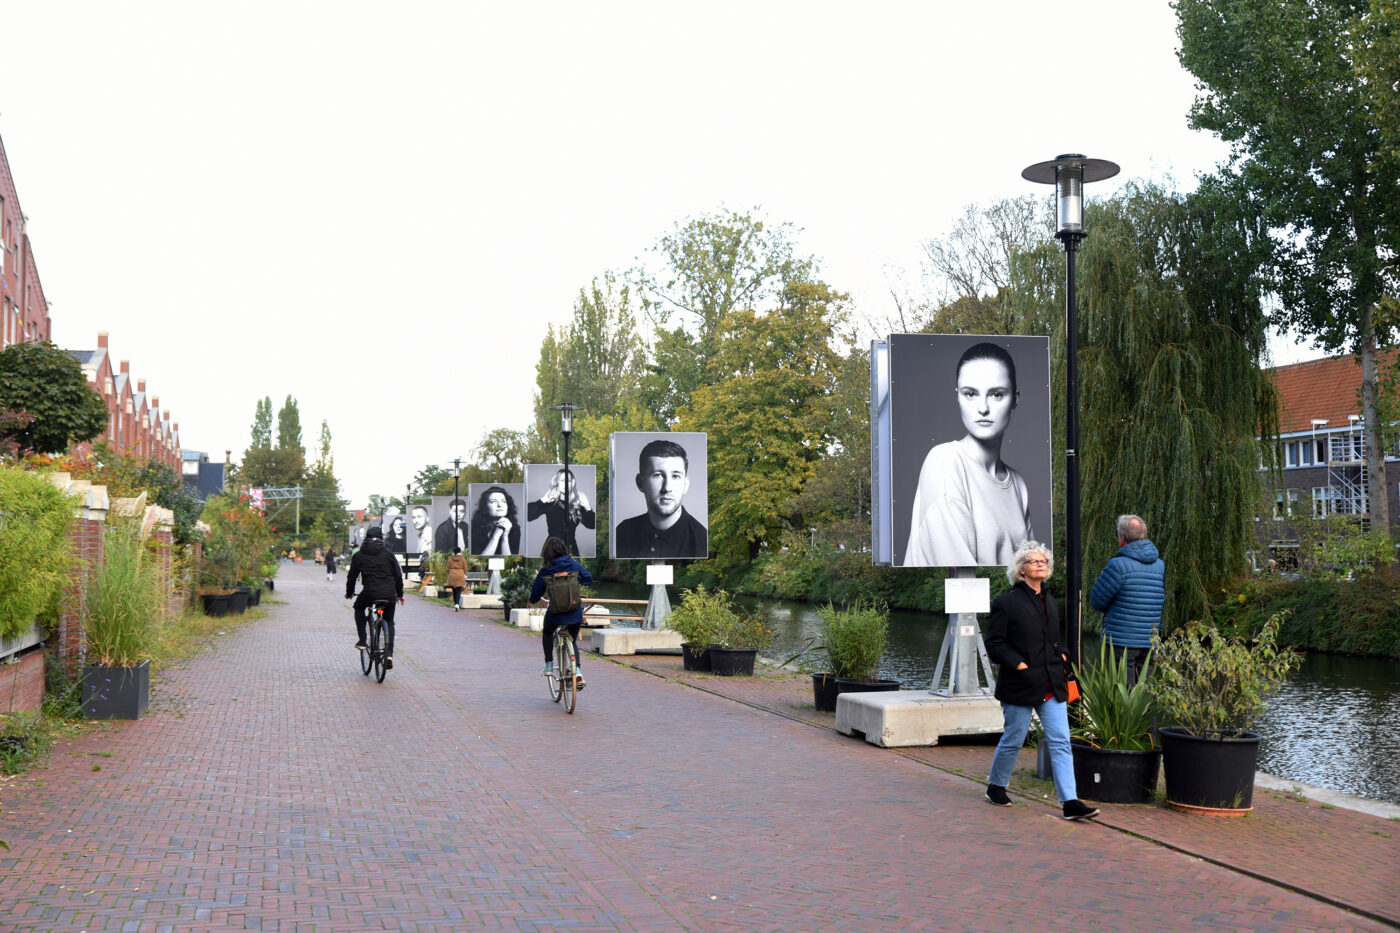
(1336, 723)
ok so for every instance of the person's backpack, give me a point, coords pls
(564, 592)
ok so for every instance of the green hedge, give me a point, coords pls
(34, 554)
(1359, 616)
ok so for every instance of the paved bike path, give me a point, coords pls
(273, 787)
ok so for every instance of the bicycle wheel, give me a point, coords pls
(377, 647)
(365, 663)
(568, 676)
(556, 676)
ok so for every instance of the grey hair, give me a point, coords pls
(1131, 528)
(1014, 570)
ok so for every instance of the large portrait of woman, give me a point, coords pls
(970, 448)
(563, 505)
(496, 525)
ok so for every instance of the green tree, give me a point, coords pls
(262, 424)
(768, 416)
(428, 479)
(710, 266)
(289, 427)
(322, 507)
(1284, 82)
(48, 383)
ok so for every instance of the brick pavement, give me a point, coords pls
(273, 787)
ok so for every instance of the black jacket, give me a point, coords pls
(382, 578)
(1019, 631)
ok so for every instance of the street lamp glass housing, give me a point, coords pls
(1069, 174)
(566, 416)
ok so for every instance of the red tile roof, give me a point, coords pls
(1328, 388)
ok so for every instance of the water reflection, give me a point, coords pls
(1331, 726)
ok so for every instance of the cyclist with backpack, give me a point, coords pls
(561, 578)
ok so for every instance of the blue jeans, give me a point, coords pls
(1055, 719)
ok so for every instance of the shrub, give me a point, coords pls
(34, 554)
(704, 617)
(854, 639)
(126, 603)
(1113, 714)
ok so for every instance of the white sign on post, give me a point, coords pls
(967, 595)
(662, 574)
(495, 563)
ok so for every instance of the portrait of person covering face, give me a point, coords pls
(561, 505)
(970, 506)
(670, 483)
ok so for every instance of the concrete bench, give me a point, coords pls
(616, 640)
(899, 718)
(481, 601)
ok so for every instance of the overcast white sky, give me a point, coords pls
(378, 208)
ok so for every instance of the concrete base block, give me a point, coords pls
(628, 640)
(536, 622)
(898, 718)
(480, 601)
(520, 618)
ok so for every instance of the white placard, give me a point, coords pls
(974, 595)
(662, 574)
(495, 563)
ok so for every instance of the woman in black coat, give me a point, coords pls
(1022, 641)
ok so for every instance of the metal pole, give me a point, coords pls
(1074, 561)
(567, 500)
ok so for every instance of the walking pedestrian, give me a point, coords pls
(1021, 640)
(330, 563)
(456, 577)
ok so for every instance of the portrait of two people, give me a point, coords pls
(970, 448)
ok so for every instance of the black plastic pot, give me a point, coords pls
(694, 659)
(1209, 773)
(1114, 775)
(850, 685)
(824, 692)
(238, 600)
(732, 662)
(116, 692)
(215, 604)
(254, 595)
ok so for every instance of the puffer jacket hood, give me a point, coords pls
(1143, 551)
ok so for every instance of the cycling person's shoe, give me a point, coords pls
(548, 668)
(361, 646)
(388, 662)
(580, 682)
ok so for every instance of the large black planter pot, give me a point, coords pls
(116, 692)
(1209, 774)
(215, 604)
(238, 602)
(694, 659)
(1115, 775)
(731, 662)
(824, 692)
(254, 595)
(848, 685)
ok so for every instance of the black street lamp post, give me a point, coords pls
(1069, 174)
(566, 424)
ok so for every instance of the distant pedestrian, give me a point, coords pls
(1130, 593)
(1031, 677)
(456, 577)
(330, 563)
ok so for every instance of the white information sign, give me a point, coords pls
(495, 563)
(967, 595)
(662, 574)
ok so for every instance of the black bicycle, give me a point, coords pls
(372, 658)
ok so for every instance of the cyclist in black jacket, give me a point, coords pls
(381, 579)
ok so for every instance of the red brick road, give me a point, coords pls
(273, 787)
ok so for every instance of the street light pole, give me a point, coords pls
(1069, 173)
(566, 423)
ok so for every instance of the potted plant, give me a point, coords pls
(122, 621)
(1116, 757)
(1213, 688)
(515, 587)
(698, 618)
(738, 641)
(853, 638)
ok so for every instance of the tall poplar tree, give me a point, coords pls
(1292, 86)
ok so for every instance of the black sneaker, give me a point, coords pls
(389, 664)
(1076, 810)
(997, 794)
(361, 646)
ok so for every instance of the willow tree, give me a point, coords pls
(1173, 400)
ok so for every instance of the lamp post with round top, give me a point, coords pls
(1069, 174)
(566, 424)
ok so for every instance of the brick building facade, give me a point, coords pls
(24, 312)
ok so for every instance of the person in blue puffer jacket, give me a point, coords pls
(1130, 593)
(555, 558)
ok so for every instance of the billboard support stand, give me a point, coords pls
(965, 595)
(659, 602)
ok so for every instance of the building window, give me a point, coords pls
(1290, 454)
(1322, 451)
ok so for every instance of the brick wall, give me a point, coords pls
(22, 682)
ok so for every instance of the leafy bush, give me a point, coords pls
(238, 544)
(516, 583)
(1207, 682)
(704, 617)
(1360, 617)
(1114, 715)
(126, 603)
(854, 639)
(34, 554)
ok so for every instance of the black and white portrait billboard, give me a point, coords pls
(561, 505)
(496, 518)
(969, 448)
(659, 495)
(449, 521)
(395, 531)
(420, 528)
